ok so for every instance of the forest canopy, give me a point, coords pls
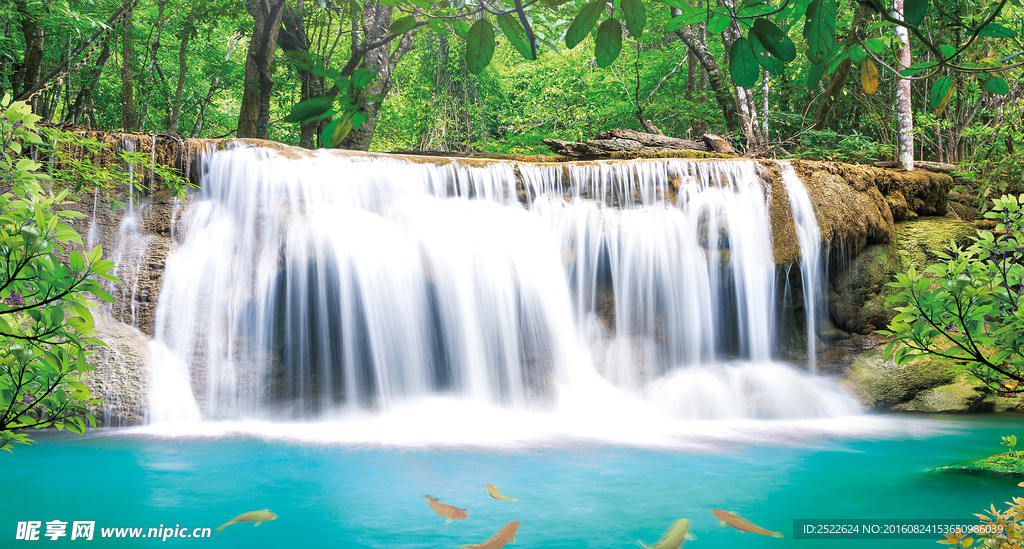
(937, 80)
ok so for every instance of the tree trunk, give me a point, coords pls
(31, 69)
(375, 23)
(716, 79)
(129, 118)
(84, 97)
(838, 80)
(258, 81)
(904, 112)
(292, 37)
(175, 108)
(746, 106)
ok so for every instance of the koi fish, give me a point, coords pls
(496, 494)
(1021, 484)
(504, 536)
(674, 538)
(251, 516)
(743, 525)
(449, 512)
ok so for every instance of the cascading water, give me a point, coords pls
(336, 282)
(809, 236)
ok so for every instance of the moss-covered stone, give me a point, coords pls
(858, 295)
(999, 464)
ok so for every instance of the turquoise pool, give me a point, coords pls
(573, 493)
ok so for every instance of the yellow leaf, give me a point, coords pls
(945, 102)
(869, 77)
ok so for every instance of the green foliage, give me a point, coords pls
(342, 109)
(967, 307)
(583, 23)
(743, 65)
(1011, 443)
(45, 322)
(854, 148)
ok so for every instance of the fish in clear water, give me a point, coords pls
(674, 538)
(496, 494)
(252, 516)
(504, 536)
(449, 512)
(743, 525)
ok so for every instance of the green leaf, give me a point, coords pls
(819, 29)
(874, 45)
(917, 68)
(857, 54)
(743, 66)
(914, 11)
(479, 46)
(335, 132)
(76, 262)
(362, 77)
(310, 109)
(583, 23)
(774, 40)
(635, 14)
(938, 93)
(995, 30)
(516, 34)
(403, 25)
(718, 22)
(997, 85)
(461, 28)
(436, 25)
(608, 43)
(767, 62)
(947, 50)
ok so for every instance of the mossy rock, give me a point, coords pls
(882, 384)
(964, 394)
(858, 300)
(999, 464)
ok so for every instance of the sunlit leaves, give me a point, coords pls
(857, 54)
(819, 29)
(583, 23)
(869, 76)
(743, 66)
(608, 43)
(479, 46)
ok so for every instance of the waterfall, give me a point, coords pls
(809, 236)
(333, 282)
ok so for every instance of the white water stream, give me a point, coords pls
(307, 288)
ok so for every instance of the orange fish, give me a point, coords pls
(449, 512)
(504, 536)
(743, 525)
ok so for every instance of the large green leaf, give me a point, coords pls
(743, 65)
(767, 62)
(583, 23)
(814, 75)
(608, 43)
(635, 14)
(938, 92)
(362, 77)
(479, 46)
(996, 30)
(774, 40)
(997, 86)
(819, 29)
(914, 11)
(516, 34)
(874, 45)
(461, 28)
(310, 109)
(403, 25)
